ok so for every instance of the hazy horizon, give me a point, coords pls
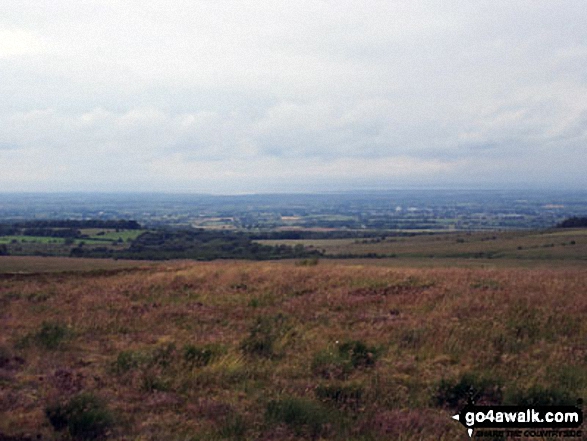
(262, 97)
(527, 190)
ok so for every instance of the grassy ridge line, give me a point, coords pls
(234, 350)
(38, 264)
(571, 244)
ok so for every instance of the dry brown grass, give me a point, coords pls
(524, 246)
(126, 335)
(38, 264)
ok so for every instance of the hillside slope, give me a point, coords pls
(231, 350)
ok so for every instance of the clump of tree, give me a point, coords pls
(51, 232)
(63, 228)
(89, 223)
(196, 244)
(573, 222)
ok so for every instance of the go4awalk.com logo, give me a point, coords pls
(552, 421)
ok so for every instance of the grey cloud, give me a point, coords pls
(488, 85)
(8, 146)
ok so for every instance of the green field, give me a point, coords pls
(50, 240)
(110, 234)
(29, 245)
(38, 239)
(529, 249)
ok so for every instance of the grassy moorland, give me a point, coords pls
(283, 351)
(546, 245)
(38, 264)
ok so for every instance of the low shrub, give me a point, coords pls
(487, 284)
(263, 335)
(152, 381)
(164, 355)
(541, 396)
(347, 357)
(50, 336)
(161, 357)
(411, 339)
(358, 353)
(302, 416)
(345, 397)
(331, 365)
(233, 427)
(456, 393)
(127, 360)
(5, 356)
(199, 356)
(313, 261)
(85, 416)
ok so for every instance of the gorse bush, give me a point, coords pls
(348, 356)
(38, 297)
(331, 365)
(152, 381)
(164, 355)
(127, 360)
(412, 338)
(158, 368)
(51, 335)
(524, 322)
(486, 284)
(198, 356)
(233, 427)
(5, 356)
(263, 336)
(538, 395)
(346, 397)
(302, 416)
(456, 393)
(85, 416)
(308, 262)
(358, 353)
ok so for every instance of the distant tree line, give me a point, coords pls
(198, 244)
(51, 232)
(573, 222)
(63, 228)
(9, 230)
(90, 223)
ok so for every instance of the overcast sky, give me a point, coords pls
(227, 96)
